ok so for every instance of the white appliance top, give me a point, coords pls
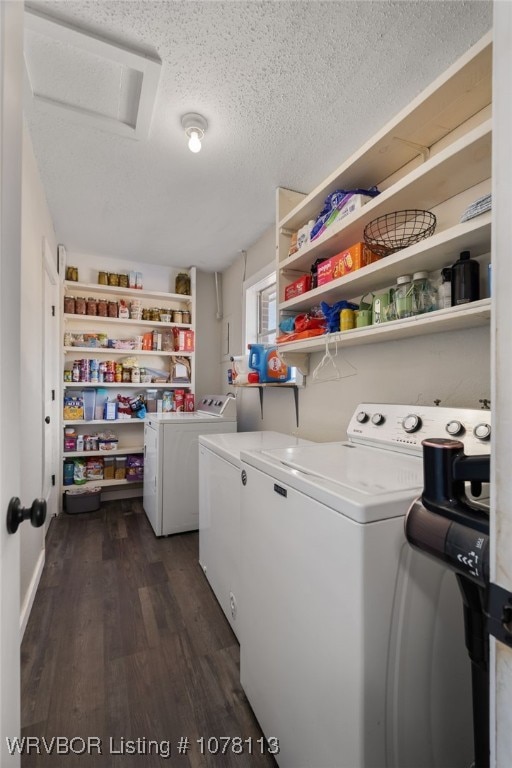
(209, 408)
(230, 445)
(378, 472)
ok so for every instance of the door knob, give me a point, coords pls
(16, 514)
(47, 419)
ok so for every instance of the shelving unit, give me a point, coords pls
(129, 431)
(430, 156)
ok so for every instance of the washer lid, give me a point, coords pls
(365, 484)
(178, 418)
(229, 446)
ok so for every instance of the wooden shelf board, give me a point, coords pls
(95, 319)
(123, 385)
(461, 92)
(127, 352)
(436, 252)
(443, 320)
(102, 484)
(117, 422)
(461, 165)
(70, 287)
(118, 452)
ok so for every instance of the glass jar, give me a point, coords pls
(403, 297)
(102, 307)
(92, 306)
(424, 294)
(103, 278)
(112, 309)
(183, 284)
(187, 318)
(123, 280)
(177, 316)
(69, 305)
(80, 306)
(113, 278)
(135, 374)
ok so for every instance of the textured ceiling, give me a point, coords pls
(289, 89)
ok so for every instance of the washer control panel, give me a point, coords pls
(404, 427)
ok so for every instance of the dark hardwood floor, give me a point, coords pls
(126, 642)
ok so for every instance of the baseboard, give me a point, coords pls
(31, 593)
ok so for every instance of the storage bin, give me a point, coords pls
(82, 500)
(89, 396)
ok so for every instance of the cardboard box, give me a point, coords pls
(355, 257)
(298, 287)
(183, 340)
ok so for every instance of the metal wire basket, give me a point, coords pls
(394, 231)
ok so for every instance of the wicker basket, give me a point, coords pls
(394, 231)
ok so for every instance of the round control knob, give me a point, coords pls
(454, 428)
(483, 431)
(411, 423)
(362, 416)
(378, 419)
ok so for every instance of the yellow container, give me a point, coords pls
(347, 319)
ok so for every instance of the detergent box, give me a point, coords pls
(355, 257)
(266, 361)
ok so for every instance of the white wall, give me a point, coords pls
(454, 367)
(36, 224)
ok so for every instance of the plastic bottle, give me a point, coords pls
(465, 280)
(444, 291)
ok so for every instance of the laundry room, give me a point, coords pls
(250, 371)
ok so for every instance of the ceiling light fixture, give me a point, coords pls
(195, 127)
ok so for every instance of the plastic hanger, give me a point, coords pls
(328, 362)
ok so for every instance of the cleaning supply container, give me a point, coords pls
(268, 364)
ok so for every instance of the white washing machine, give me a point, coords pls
(352, 644)
(171, 476)
(219, 509)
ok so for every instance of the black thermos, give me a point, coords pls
(465, 280)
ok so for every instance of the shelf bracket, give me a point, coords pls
(299, 360)
(422, 150)
(284, 386)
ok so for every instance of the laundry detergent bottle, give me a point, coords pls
(267, 362)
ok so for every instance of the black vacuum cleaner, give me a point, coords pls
(448, 526)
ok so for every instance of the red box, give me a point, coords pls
(299, 286)
(183, 340)
(355, 257)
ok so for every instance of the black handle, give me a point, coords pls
(16, 514)
(47, 419)
(445, 466)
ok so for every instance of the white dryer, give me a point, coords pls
(219, 509)
(352, 644)
(170, 493)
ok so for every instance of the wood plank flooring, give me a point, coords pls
(127, 642)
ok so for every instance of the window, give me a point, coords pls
(260, 315)
(266, 303)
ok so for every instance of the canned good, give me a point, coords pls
(102, 307)
(183, 283)
(69, 305)
(80, 306)
(92, 306)
(347, 319)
